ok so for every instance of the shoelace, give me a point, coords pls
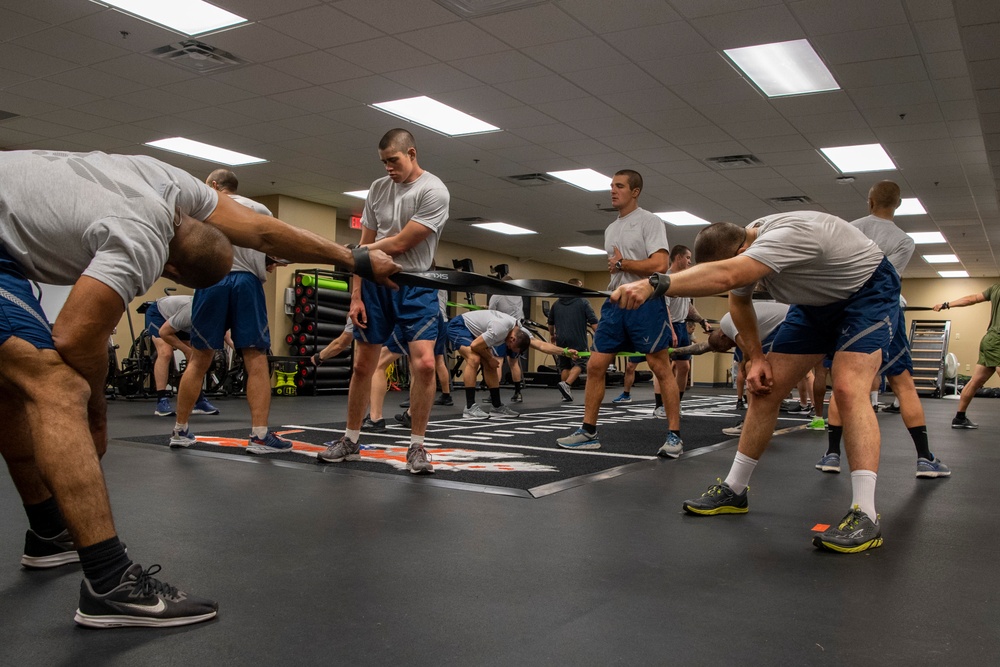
(420, 452)
(852, 519)
(146, 584)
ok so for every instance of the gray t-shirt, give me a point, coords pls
(678, 306)
(637, 236)
(443, 304)
(818, 259)
(492, 325)
(770, 315)
(108, 217)
(248, 259)
(894, 242)
(390, 206)
(177, 311)
(512, 305)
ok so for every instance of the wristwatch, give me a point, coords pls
(618, 264)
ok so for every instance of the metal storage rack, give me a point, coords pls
(928, 347)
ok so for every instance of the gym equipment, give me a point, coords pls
(318, 329)
(951, 367)
(310, 280)
(322, 296)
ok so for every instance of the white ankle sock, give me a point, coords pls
(874, 398)
(863, 487)
(353, 434)
(259, 431)
(739, 475)
(179, 427)
(416, 441)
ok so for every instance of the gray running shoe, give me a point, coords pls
(734, 430)
(579, 439)
(719, 499)
(660, 412)
(932, 468)
(855, 532)
(45, 552)
(182, 438)
(504, 411)
(673, 447)
(829, 463)
(564, 389)
(475, 412)
(340, 450)
(963, 422)
(517, 398)
(417, 461)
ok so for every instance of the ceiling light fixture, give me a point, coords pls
(681, 218)
(911, 206)
(584, 250)
(191, 17)
(203, 151)
(941, 259)
(585, 179)
(435, 116)
(926, 237)
(784, 68)
(953, 274)
(856, 159)
(360, 194)
(504, 228)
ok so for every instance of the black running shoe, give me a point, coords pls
(404, 419)
(140, 600)
(44, 552)
(963, 422)
(719, 499)
(405, 404)
(444, 399)
(856, 532)
(370, 425)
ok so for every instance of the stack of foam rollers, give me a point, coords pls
(322, 299)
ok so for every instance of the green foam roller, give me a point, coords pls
(309, 280)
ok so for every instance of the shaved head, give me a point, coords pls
(720, 240)
(884, 195)
(200, 255)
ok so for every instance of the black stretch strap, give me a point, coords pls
(362, 263)
(662, 285)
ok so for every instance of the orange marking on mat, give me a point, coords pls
(820, 527)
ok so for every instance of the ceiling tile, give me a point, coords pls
(260, 79)
(322, 26)
(575, 55)
(541, 90)
(946, 64)
(69, 45)
(861, 45)
(532, 26)
(382, 54)
(33, 63)
(54, 93)
(696, 68)
(763, 25)
(874, 72)
(319, 67)
(454, 40)
(612, 80)
(822, 17)
(395, 17)
(981, 41)
(656, 42)
(501, 67)
(14, 25)
(432, 79)
(257, 43)
(602, 17)
(939, 35)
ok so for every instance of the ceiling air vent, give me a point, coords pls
(473, 8)
(530, 180)
(794, 200)
(197, 57)
(4, 115)
(734, 161)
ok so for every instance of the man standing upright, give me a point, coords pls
(682, 310)
(235, 304)
(569, 319)
(404, 215)
(636, 244)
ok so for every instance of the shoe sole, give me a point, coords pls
(500, 415)
(585, 445)
(465, 416)
(829, 546)
(263, 450)
(834, 470)
(137, 621)
(933, 474)
(718, 510)
(375, 430)
(566, 394)
(201, 412)
(621, 402)
(726, 431)
(965, 427)
(46, 562)
(166, 414)
(349, 457)
(177, 444)
(423, 471)
(665, 454)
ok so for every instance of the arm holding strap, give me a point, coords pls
(660, 286)
(362, 263)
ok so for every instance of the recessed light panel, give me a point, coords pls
(360, 194)
(584, 250)
(784, 68)
(861, 158)
(941, 259)
(681, 218)
(926, 237)
(953, 274)
(504, 228)
(911, 206)
(586, 179)
(435, 116)
(191, 17)
(205, 151)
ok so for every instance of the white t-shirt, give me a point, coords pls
(818, 259)
(492, 325)
(637, 236)
(108, 217)
(389, 206)
(770, 315)
(248, 259)
(678, 306)
(176, 310)
(897, 245)
(512, 305)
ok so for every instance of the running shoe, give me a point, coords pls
(719, 499)
(405, 404)
(741, 405)
(801, 410)
(660, 412)
(963, 422)
(503, 411)
(45, 552)
(140, 600)
(672, 447)
(516, 398)
(269, 444)
(567, 394)
(373, 425)
(339, 450)
(817, 424)
(475, 412)
(734, 430)
(829, 463)
(623, 398)
(444, 399)
(163, 408)
(579, 439)
(855, 532)
(404, 419)
(893, 408)
(182, 438)
(203, 407)
(417, 461)
(925, 468)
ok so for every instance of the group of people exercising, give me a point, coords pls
(117, 223)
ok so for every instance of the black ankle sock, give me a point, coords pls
(676, 431)
(919, 435)
(495, 397)
(626, 393)
(470, 396)
(834, 433)
(659, 400)
(590, 428)
(162, 393)
(518, 386)
(682, 396)
(104, 563)
(44, 518)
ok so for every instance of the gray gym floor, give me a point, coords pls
(318, 568)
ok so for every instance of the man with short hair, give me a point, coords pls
(570, 317)
(636, 243)
(844, 295)
(682, 311)
(513, 306)
(405, 213)
(168, 321)
(112, 227)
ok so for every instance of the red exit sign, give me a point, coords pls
(355, 222)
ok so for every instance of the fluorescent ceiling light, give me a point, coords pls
(911, 206)
(926, 237)
(584, 250)
(784, 68)
(681, 218)
(855, 159)
(503, 228)
(360, 194)
(953, 274)
(436, 116)
(941, 259)
(191, 17)
(586, 179)
(204, 151)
